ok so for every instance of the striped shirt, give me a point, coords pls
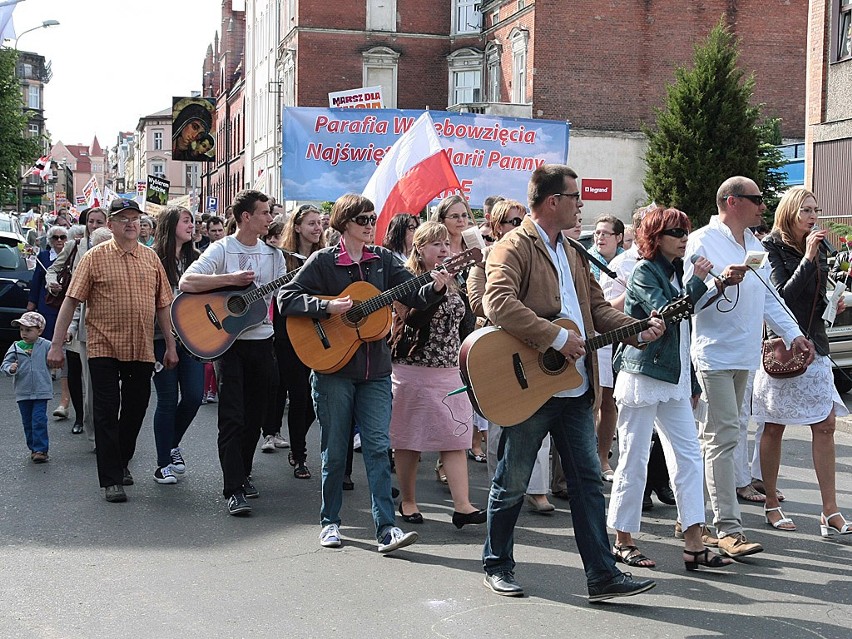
(122, 290)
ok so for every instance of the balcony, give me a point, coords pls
(506, 109)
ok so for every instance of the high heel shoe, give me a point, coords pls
(785, 523)
(476, 517)
(827, 530)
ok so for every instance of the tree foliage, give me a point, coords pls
(706, 131)
(16, 147)
(770, 159)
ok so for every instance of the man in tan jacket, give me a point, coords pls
(534, 276)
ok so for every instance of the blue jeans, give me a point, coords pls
(34, 418)
(569, 421)
(336, 400)
(173, 417)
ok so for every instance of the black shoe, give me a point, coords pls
(622, 585)
(503, 583)
(77, 428)
(413, 518)
(476, 517)
(115, 494)
(237, 504)
(647, 502)
(665, 494)
(394, 492)
(348, 484)
(127, 480)
(250, 490)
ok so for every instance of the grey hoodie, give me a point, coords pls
(32, 379)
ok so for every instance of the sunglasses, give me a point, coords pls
(58, 237)
(515, 221)
(676, 232)
(364, 220)
(756, 199)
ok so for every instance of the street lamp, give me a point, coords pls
(43, 25)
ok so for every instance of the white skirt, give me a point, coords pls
(805, 399)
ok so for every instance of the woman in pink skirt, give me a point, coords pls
(425, 355)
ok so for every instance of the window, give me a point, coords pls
(33, 97)
(288, 78)
(380, 69)
(28, 70)
(191, 174)
(34, 130)
(158, 169)
(495, 74)
(465, 66)
(519, 39)
(466, 16)
(844, 34)
(158, 140)
(381, 15)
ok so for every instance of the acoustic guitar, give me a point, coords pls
(208, 323)
(508, 381)
(327, 345)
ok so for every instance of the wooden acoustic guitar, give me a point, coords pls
(208, 323)
(508, 381)
(327, 345)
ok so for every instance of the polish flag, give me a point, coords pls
(414, 171)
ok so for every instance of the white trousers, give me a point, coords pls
(679, 438)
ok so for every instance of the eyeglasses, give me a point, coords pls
(807, 210)
(676, 232)
(515, 221)
(757, 200)
(126, 220)
(364, 220)
(412, 227)
(456, 217)
(58, 237)
(603, 234)
(575, 195)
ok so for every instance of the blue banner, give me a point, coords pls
(329, 152)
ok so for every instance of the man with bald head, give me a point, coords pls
(726, 343)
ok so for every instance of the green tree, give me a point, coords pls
(770, 160)
(706, 131)
(16, 147)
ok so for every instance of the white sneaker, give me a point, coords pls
(268, 445)
(212, 398)
(395, 538)
(279, 441)
(165, 475)
(330, 536)
(356, 442)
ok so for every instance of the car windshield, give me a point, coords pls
(9, 257)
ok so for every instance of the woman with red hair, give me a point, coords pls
(656, 384)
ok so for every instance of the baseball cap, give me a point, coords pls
(30, 318)
(120, 205)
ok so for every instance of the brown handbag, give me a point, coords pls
(778, 360)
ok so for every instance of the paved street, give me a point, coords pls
(171, 563)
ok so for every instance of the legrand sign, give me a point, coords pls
(596, 189)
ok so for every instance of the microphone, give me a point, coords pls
(694, 258)
(824, 244)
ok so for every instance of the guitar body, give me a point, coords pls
(208, 323)
(327, 345)
(508, 381)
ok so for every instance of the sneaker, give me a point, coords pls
(39, 458)
(356, 443)
(268, 445)
(395, 539)
(165, 475)
(115, 494)
(279, 441)
(212, 398)
(503, 583)
(250, 489)
(330, 536)
(736, 545)
(204, 399)
(622, 585)
(127, 480)
(237, 504)
(178, 464)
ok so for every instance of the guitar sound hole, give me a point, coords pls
(236, 305)
(353, 318)
(552, 362)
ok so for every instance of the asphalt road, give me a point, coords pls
(171, 563)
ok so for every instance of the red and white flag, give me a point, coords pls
(41, 168)
(413, 172)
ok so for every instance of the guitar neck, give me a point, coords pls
(258, 293)
(619, 334)
(388, 297)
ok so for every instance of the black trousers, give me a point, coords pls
(248, 377)
(121, 393)
(75, 384)
(294, 383)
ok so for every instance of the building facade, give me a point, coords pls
(152, 155)
(34, 72)
(84, 162)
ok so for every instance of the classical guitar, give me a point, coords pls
(208, 323)
(326, 345)
(508, 381)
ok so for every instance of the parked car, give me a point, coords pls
(15, 279)
(10, 224)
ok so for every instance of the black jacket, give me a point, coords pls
(798, 281)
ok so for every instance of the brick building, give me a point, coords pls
(84, 162)
(828, 139)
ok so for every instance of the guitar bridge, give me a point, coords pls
(212, 317)
(321, 334)
(520, 374)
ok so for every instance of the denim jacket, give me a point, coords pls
(650, 288)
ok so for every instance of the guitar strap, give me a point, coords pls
(591, 258)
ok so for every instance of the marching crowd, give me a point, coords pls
(686, 312)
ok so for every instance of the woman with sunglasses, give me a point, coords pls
(656, 385)
(302, 237)
(800, 274)
(362, 388)
(400, 235)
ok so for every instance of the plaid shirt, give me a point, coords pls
(123, 290)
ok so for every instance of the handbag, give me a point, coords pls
(778, 360)
(63, 278)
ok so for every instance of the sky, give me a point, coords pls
(114, 61)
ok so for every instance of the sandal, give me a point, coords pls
(477, 457)
(784, 523)
(439, 472)
(301, 471)
(826, 529)
(631, 556)
(757, 484)
(750, 493)
(707, 559)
